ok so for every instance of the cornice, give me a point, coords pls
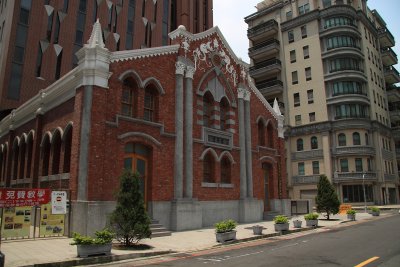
(300, 20)
(144, 53)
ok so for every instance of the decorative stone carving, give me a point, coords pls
(96, 38)
(190, 72)
(180, 68)
(186, 45)
(243, 93)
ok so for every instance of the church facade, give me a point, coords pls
(186, 117)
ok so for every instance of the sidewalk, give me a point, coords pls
(57, 250)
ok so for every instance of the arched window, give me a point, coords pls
(261, 133)
(225, 171)
(299, 144)
(356, 139)
(56, 151)
(314, 142)
(129, 98)
(224, 108)
(29, 150)
(207, 105)
(22, 155)
(15, 156)
(366, 139)
(342, 139)
(45, 155)
(4, 164)
(270, 135)
(208, 169)
(150, 104)
(67, 140)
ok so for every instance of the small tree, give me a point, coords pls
(129, 220)
(327, 199)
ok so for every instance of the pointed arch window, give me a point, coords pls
(45, 151)
(208, 169)
(356, 139)
(150, 104)
(67, 150)
(224, 108)
(342, 139)
(225, 171)
(314, 142)
(270, 135)
(261, 133)
(56, 151)
(129, 98)
(22, 158)
(207, 105)
(300, 144)
(29, 152)
(15, 156)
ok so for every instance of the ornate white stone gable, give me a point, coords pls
(96, 38)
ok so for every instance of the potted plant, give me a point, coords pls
(281, 223)
(351, 215)
(311, 219)
(225, 230)
(375, 211)
(257, 229)
(297, 223)
(98, 245)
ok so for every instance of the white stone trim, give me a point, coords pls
(144, 53)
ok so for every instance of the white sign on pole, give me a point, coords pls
(59, 202)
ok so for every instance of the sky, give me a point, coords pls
(229, 18)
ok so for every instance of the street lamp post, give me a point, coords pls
(365, 199)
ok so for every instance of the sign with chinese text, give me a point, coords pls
(58, 202)
(13, 197)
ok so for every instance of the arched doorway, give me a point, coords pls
(137, 159)
(268, 185)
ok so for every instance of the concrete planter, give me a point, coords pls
(91, 250)
(226, 236)
(351, 217)
(297, 223)
(257, 229)
(375, 213)
(312, 223)
(281, 227)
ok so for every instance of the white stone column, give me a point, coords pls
(178, 162)
(242, 145)
(249, 161)
(189, 131)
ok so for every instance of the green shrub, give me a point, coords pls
(225, 226)
(351, 212)
(101, 237)
(374, 209)
(311, 216)
(281, 219)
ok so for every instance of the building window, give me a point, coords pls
(311, 115)
(351, 111)
(310, 96)
(359, 165)
(299, 144)
(338, 21)
(149, 106)
(344, 165)
(165, 31)
(58, 65)
(300, 168)
(296, 97)
(297, 119)
(49, 26)
(208, 169)
(308, 73)
(303, 31)
(366, 139)
(341, 41)
(356, 139)
(304, 9)
(355, 193)
(315, 167)
(292, 56)
(342, 139)
(39, 61)
(261, 133)
(128, 99)
(223, 107)
(65, 6)
(291, 36)
(294, 77)
(225, 171)
(131, 26)
(348, 87)
(326, 3)
(341, 64)
(306, 52)
(314, 142)
(207, 105)
(289, 15)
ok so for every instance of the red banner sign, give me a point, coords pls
(13, 197)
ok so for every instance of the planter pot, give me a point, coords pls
(312, 223)
(375, 213)
(351, 217)
(257, 229)
(223, 237)
(91, 250)
(281, 227)
(297, 224)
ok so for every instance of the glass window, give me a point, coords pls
(355, 193)
(314, 142)
(208, 169)
(344, 165)
(315, 166)
(356, 139)
(223, 107)
(310, 96)
(300, 168)
(299, 144)
(297, 119)
(359, 165)
(288, 14)
(294, 77)
(308, 73)
(306, 52)
(292, 56)
(15, 82)
(207, 110)
(303, 31)
(149, 106)
(296, 97)
(342, 139)
(326, 3)
(311, 116)
(291, 36)
(225, 171)
(261, 133)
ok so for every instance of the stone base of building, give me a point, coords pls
(250, 210)
(185, 215)
(283, 206)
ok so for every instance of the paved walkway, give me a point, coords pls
(39, 251)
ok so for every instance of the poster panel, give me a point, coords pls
(59, 202)
(51, 224)
(16, 222)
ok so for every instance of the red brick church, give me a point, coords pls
(187, 117)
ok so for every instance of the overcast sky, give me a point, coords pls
(229, 17)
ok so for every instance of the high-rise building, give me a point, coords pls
(39, 39)
(329, 65)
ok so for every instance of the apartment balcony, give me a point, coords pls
(339, 29)
(308, 155)
(393, 93)
(270, 87)
(354, 177)
(389, 57)
(386, 38)
(391, 75)
(264, 50)
(305, 179)
(266, 69)
(353, 150)
(263, 31)
(353, 74)
(348, 98)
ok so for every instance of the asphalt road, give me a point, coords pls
(373, 243)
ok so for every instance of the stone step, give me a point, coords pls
(158, 229)
(160, 234)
